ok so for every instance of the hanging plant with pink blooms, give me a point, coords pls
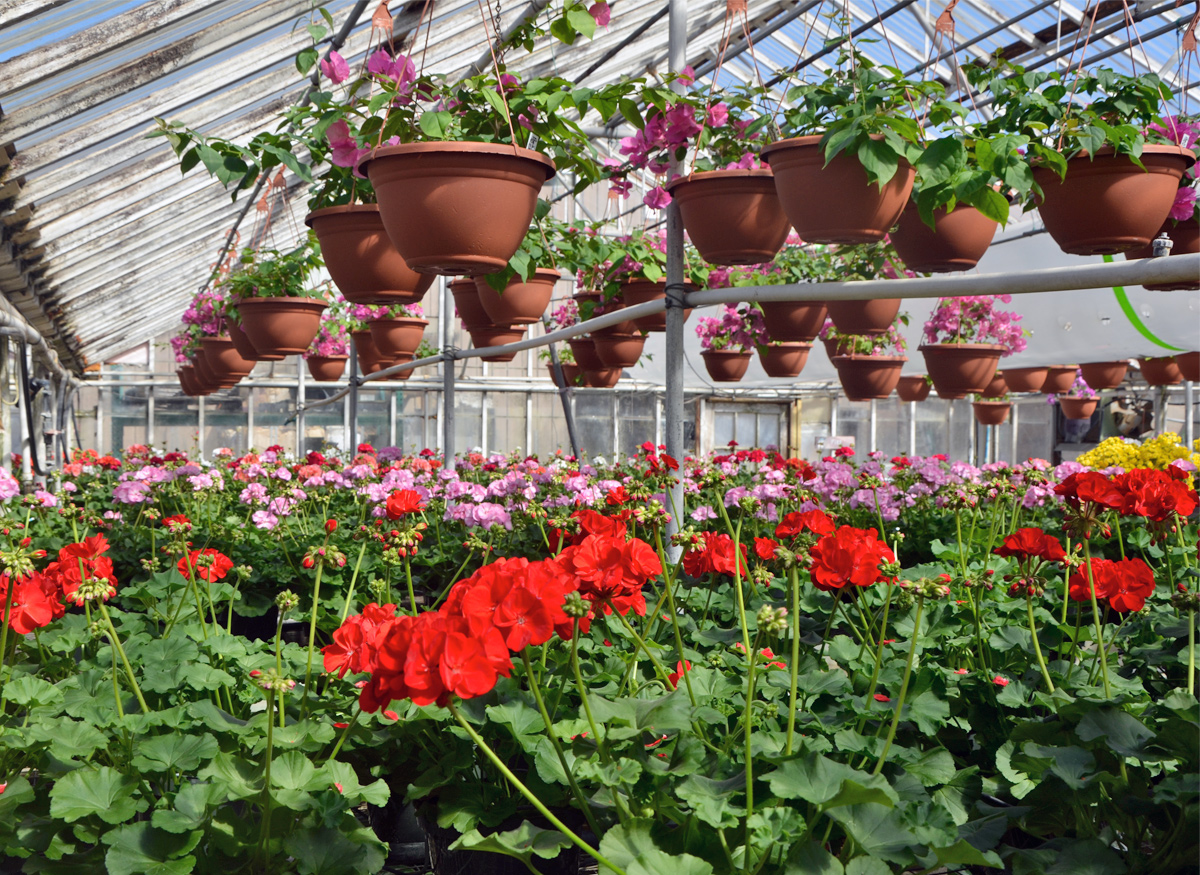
(738, 329)
(975, 319)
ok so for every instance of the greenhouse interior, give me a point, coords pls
(701, 438)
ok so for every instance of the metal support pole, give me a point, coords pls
(100, 421)
(448, 408)
(483, 424)
(1189, 414)
(1016, 418)
(874, 426)
(392, 418)
(300, 396)
(249, 419)
(972, 440)
(565, 396)
(833, 416)
(677, 60)
(200, 424)
(912, 428)
(352, 405)
(950, 429)
(150, 416)
(529, 422)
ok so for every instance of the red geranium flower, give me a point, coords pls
(849, 556)
(403, 502)
(1024, 544)
(681, 668)
(1089, 487)
(1126, 583)
(1156, 495)
(764, 548)
(717, 557)
(208, 564)
(616, 497)
(34, 602)
(794, 523)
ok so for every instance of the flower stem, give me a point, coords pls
(1191, 685)
(794, 668)
(912, 649)
(528, 794)
(1101, 649)
(641, 642)
(4, 622)
(1037, 647)
(412, 599)
(116, 641)
(312, 628)
(353, 580)
(264, 838)
(887, 606)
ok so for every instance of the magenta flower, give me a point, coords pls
(335, 68)
(717, 116)
(1185, 204)
(601, 13)
(687, 75)
(656, 198)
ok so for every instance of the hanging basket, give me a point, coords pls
(872, 317)
(834, 202)
(281, 326)
(619, 350)
(1104, 375)
(641, 291)
(865, 377)
(208, 377)
(401, 359)
(732, 216)
(961, 369)
(1026, 379)
(991, 412)
(370, 359)
(361, 260)
(327, 368)
(1078, 408)
(601, 378)
(521, 303)
(584, 350)
(1059, 379)
(394, 337)
(223, 359)
(784, 360)
(485, 338)
(457, 209)
(913, 388)
(957, 240)
(794, 321)
(571, 373)
(997, 388)
(188, 382)
(1186, 237)
(726, 366)
(468, 306)
(1161, 371)
(244, 347)
(1189, 366)
(1106, 203)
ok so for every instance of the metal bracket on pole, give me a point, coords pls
(564, 394)
(300, 393)
(352, 406)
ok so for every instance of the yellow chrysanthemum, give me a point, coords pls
(1158, 453)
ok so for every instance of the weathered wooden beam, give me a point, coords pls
(16, 11)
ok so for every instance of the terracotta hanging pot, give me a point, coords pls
(244, 347)
(1077, 408)
(521, 303)
(281, 326)
(997, 388)
(588, 297)
(1107, 204)
(733, 216)
(794, 321)
(1189, 366)
(400, 336)
(370, 359)
(1025, 379)
(327, 368)
(571, 373)
(619, 350)
(458, 209)
(1161, 371)
(401, 359)
(223, 359)
(991, 412)
(1186, 237)
(835, 346)
(784, 359)
(205, 372)
(627, 328)
(834, 202)
(188, 382)
(875, 316)
(869, 376)
(204, 385)
(913, 388)
(362, 261)
(641, 291)
(483, 338)
(961, 369)
(1059, 379)
(957, 241)
(1104, 375)
(584, 350)
(468, 306)
(726, 366)
(602, 378)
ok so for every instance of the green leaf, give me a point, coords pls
(932, 768)
(562, 31)
(104, 792)
(190, 808)
(435, 125)
(867, 866)
(812, 859)
(877, 830)
(711, 800)
(33, 692)
(306, 59)
(166, 753)
(822, 781)
(524, 843)
(1124, 734)
(140, 849)
(992, 204)
(236, 777)
(582, 21)
(941, 160)
(331, 852)
(631, 847)
(962, 853)
(338, 772)
(879, 160)
(1087, 857)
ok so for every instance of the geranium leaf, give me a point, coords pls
(104, 792)
(140, 849)
(165, 753)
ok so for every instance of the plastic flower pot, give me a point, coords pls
(244, 347)
(961, 369)
(223, 359)
(641, 291)
(726, 366)
(913, 388)
(1186, 239)
(521, 303)
(957, 241)
(1189, 366)
(362, 261)
(865, 377)
(395, 337)
(875, 316)
(794, 321)
(467, 304)
(370, 359)
(584, 350)
(483, 338)
(571, 373)
(457, 209)
(401, 359)
(733, 216)
(1161, 371)
(207, 375)
(281, 326)
(619, 350)
(1106, 203)
(1059, 379)
(188, 382)
(326, 368)
(1026, 379)
(997, 388)
(1077, 408)
(991, 412)
(784, 359)
(834, 202)
(1104, 375)
(601, 378)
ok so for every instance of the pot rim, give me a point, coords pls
(340, 210)
(1164, 149)
(224, 338)
(326, 358)
(724, 352)
(988, 403)
(544, 273)
(803, 142)
(462, 147)
(291, 299)
(406, 320)
(858, 357)
(735, 173)
(965, 346)
(784, 344)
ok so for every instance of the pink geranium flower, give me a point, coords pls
(335, 68)
(601, 13)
